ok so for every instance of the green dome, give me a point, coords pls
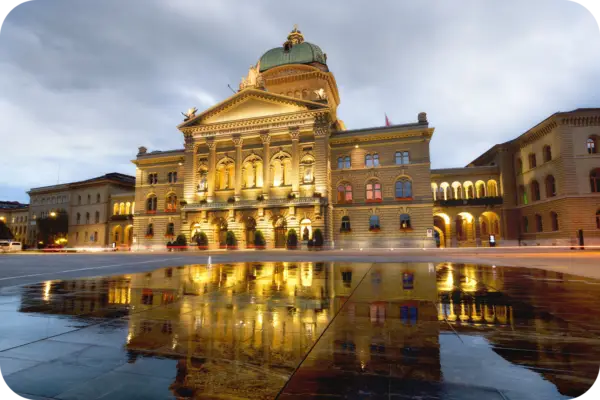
(301, 53)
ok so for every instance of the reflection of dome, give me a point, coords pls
(294, 51)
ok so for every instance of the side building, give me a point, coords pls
(15, 215)
(87, 205)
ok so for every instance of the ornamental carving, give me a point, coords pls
(294, 132)
(237, 141)
(211, 143)
(321, 127)
(265, 137)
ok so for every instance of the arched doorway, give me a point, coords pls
(250, 230)
(280, 229)
(440, 223)
(305, 229)
(128, 235)
(220, 225)
(117, 235)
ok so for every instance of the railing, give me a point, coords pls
(121, 217)
(482, 201)
(256, 203)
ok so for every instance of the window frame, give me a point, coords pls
(404, 218)
(374, 223)
(404, 184)
(376, 188)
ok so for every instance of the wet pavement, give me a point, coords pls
(298, 330)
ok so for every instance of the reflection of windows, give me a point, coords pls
(147, 297)
(151, 203)
(550, 186)
(547, 153)
(377, 312)
(538, 223)
(152, 178)
(595, 180)
(172, 177)
(409, 314)
(408, 280)
(535, 190)
(554, 218)
(347, 278)
(532, 161)
(525, 224)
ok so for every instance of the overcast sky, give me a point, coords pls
(84, 83)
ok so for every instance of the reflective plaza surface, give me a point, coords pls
(298, 330)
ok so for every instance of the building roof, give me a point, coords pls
(294, 51)
(12, 205)
(115, 177)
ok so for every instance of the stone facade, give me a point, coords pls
(88, 205)
(15, 215)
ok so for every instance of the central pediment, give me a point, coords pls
(251, 103)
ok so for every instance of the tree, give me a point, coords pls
(259, 240)
(201, 240)
(318, 238)
(292, 239)
(181, 241)
(5, 233)
(230, 240)
(53, 227)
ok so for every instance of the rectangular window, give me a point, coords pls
(402, 158)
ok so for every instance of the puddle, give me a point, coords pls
(262, 330)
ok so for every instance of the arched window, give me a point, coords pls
(405, 221)
(171, 203)
(78, 200)
(95, 237)
(538, 223)
(598, 219)
(128, 208)
(345, 224)
(347, 162)
(150, 230)
(592, 147)
(151, 203)
(469, 191)
(525, 223)
(595, 180)
(535, 190)
(344, 193)
(89, 199)
(85, 236)
(368, 161)
(373, 191)
(116, 209)
(402, 158)
(97, 217)
(547, 153)
(98, 198)
(554, 219)
(523, 195)
(78, 218)
(340, 162)
(550, 186)
(374, 223)
(403, 189)
(480, 189)
(122, 208)
(519, 166)
(87, 218)
(170, 229)
(376, 160)
(532, 161)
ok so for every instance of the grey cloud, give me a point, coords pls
(88, 82)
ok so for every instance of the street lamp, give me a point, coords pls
(52, 214)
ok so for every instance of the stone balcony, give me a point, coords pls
(121, 217)
(273, 202)
(483, 201)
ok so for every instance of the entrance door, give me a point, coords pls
(280, 229)
(250, 231)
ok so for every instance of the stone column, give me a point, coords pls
(453, 238)
(212, 161)
(237, 141)
(477, 232)
(295, 136)
(189, 176)
(266, 140)
(322, 172)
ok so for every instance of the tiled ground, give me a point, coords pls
(297, 330)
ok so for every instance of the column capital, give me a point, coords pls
(294, 132)
(188, 141)
(265, 136)
(321, 127)
(237, 140)
(211, 143)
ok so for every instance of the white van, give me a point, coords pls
(9, 247)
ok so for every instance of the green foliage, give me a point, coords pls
(201, 239)
(5, 233)
(259, 239)
(318, 238)
(181, 240)
(230, 239)
(292, 239)
(51, 228)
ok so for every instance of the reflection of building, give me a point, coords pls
(275, 156)
(14, 215)
(88, 205)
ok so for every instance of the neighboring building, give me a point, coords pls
(120, 225)
(15, 215)
(274, 156)
(88, 204)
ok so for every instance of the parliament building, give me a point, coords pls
(275, 156)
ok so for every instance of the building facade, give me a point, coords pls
(14, 215)
(88, 205)
(275, 156)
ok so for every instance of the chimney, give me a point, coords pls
(423, 118)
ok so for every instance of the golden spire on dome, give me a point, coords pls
(295, 37)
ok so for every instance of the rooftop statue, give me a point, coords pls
(191, 113)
